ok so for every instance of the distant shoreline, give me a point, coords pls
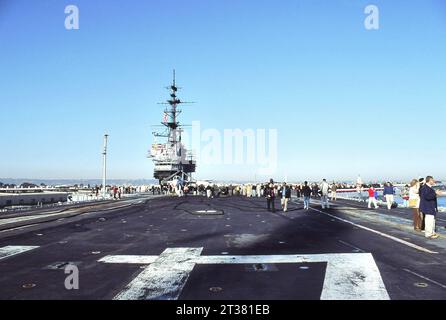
(84, 182)
(93, 182)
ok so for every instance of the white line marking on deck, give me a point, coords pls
(18, 228)
(164, 279)
(27, 218)
(385, 235)
(129, 259)
(348, 275)
(426, 278)
(9, 251)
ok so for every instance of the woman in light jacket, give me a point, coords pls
(414, 203)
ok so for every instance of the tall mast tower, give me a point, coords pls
(104, 167)
(172, 160)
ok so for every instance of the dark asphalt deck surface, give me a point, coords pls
(245, 228)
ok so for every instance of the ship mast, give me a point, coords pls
(171, 114)
(167, 166)
(173, 102)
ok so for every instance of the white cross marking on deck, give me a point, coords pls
(9, 251)
(349, 276)
(164, 278)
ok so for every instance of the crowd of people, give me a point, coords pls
(419, 196)
(424, 204)
(115, 191)
(323, 191)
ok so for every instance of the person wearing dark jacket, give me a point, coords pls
(389, 194)
(316, 191)
(270, 197)
(421, 180)
(298, 191)
(429, 206)
(285, 197)
(306, 192)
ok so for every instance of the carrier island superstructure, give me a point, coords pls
(172, 161)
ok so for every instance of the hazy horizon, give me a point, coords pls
(154, 181)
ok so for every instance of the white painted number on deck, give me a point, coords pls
(349, 276)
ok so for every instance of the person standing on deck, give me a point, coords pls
(270, 196)
(253, 190)
(325, 187)
(298, 191)
(359, 192)
(429, 206)
(306, 192)
(249, 190)
(414, 204)
(422, 215)
(208, 191)
(286, 195)
(315, 190)
(372, 197)
(359, 184)
(389, 194)
(405, 196)
(334, 189)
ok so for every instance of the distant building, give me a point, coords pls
(21, 197)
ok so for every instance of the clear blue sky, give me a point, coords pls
(344, 100)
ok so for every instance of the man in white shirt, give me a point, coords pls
(324, 190)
